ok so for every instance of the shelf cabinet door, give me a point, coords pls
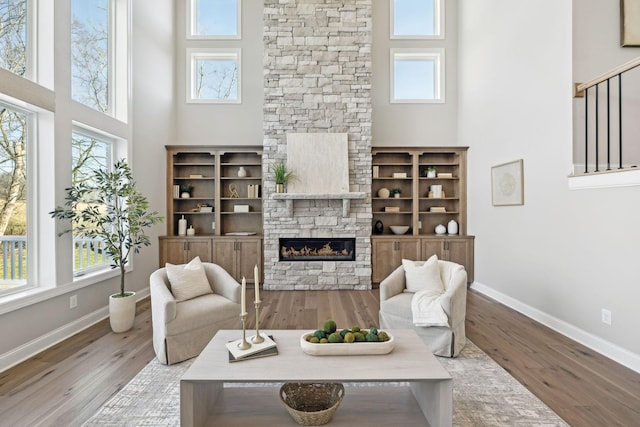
(388, 255)
(238, 256)
(182, 250)
(224, 254)
(455, 249)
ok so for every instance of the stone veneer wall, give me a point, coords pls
(317, 66)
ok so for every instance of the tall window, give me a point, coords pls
(90, 153)
(13, 36)
(90, 53)
(13, 197)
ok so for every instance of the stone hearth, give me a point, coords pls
(318, 80)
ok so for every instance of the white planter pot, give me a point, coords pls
(122, 312)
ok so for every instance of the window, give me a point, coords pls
(213, 75)
(90, 152)
(40, 135)
(417, 19)
(90, 53)
(14, 125)
(218, 19)
(417, 75)
(13, 36)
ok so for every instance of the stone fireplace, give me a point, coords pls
(317, 81)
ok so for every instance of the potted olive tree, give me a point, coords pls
(109, 207)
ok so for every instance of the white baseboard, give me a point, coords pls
(610, 350)
(33, 347)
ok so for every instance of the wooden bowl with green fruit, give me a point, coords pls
(329, 340)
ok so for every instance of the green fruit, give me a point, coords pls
(373, 331)
(344, 332)
(383, 336)
(319, 334)
(359, 336)
(329, 326)
(349, 337)
(372, 337)
(335, 338)
(355, 328)
(314, 340)
(324, 341)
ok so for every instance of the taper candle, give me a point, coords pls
(243, 291)
(255, 275)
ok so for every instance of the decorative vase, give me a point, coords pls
(122, 311)
(242, 172)
(279, 188)
(441, 229)
(378, 227)
(396, 195)
(452, 227)
(383, 193)
(185, 195)
(182, 226)
(431, 174)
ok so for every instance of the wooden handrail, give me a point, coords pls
(579, 88)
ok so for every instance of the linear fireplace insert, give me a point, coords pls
(318, 249)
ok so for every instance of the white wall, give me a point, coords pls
(564, 255)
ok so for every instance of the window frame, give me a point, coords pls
(192, 24)
(438, 24)
(53, 115)
(435, 54)
(194, 54)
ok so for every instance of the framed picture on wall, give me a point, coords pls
(630, 22)
(507, 184)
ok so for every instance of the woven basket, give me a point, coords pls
(312, 404)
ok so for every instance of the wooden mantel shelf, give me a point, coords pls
(345, 197)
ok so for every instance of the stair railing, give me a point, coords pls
(582, 90)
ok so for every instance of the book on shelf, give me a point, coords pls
(445, 175)
(266, 348)
(392, 209)
(253, 191)
(176, 191)
(438, 209)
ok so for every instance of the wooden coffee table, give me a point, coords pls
(427, 401)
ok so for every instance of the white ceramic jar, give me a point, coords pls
(452, 227)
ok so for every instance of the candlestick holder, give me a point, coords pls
(258, 338)
(244, 344)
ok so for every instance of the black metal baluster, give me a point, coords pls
(586, 130)
(620, 119)
(608, 128)
(597, 118)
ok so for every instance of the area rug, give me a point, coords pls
(484, 394)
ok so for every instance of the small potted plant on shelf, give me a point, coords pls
(396, 192)
(186, 190)
(281, 176)
(431, 172)
(110, 208)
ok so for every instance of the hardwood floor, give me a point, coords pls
(66, 384)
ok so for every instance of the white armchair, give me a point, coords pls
(182, 329)
(396, 313)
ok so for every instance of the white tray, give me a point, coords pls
(346, 349)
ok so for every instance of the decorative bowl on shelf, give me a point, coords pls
(399, 229)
